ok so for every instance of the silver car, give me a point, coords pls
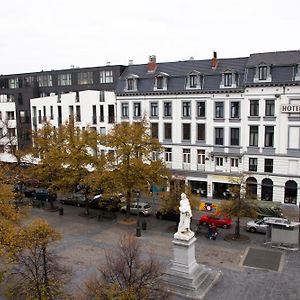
(261, 225)
(144, 208)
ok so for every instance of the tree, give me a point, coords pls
(67, 156)
(131, 166)
(241, 204)
(35, 273)
(129, 273)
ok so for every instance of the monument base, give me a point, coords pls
(185, 278)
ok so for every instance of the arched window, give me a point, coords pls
(290, 192)
(251, 187)
(267, 189)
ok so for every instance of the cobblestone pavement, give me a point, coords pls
(85, 239)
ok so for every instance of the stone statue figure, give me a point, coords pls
(184, 231)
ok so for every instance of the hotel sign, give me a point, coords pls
(290, 108)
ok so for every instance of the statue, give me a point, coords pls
(184, 231)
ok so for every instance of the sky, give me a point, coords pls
(44, 35)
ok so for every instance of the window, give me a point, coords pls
(254, 108)
(106, 76)
(167, 109)
(193, 81)
(130, 84)
(154, 109)
(228, 79)
(234, 162)
(101, 96)
(125, 110)
(234, 136)
(64, 79)
(219, 110)
(262, 73)
(268, 165)
(22, 116)
(253, 139)
(168, 131)
(45, 80)
(159, 82)
(71, 111)
(201, 109)
(51, 113)
(219, 136)
(10, 115)
(186, 109)
(200, 132)
(136, 109)
(103, 130)
(253, 164)
(78, 114)
(11, 132)
(101, 116)
(219, 161)
(29, 81)
(269, 136)
(85, 78)
(168, 154)
(201, 157)
(94, 114)
(186, 132)
(270, 108)
(234, 110)
(154, 130)
(186, 156)
(13, 83)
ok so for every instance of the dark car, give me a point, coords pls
(74, 199)
(29, 192)
(170, 215)
(108, 202)
(44, 195)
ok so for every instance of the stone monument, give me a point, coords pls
(185, 278)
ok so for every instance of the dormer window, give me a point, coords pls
(131, 82)
(228, 79)
(297, 77)
(263, 73)
(161, 81)
(193, 80)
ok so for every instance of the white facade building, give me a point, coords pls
(91, 108)
(220, 119)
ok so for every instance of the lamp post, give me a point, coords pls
(138, 227)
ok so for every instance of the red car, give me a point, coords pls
(215, 219)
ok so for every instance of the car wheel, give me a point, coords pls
(252, 229)
(78, 204)
(225, 226)
(204, 223)
(62, 201)
(123, 211)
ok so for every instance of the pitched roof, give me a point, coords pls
(280, 58)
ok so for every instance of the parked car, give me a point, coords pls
(261, 225)
(170, 215)
(219, 221)
(44, 195)
(29, 192)
(108, 202)
(77, 199)
(144, 208)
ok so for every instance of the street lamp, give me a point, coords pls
(138, 227)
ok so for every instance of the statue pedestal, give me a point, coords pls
(185, 278)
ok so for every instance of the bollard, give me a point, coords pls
(144, 225)
(61, 211)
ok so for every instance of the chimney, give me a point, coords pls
(214, 61)
(130, 62)
(152, 64)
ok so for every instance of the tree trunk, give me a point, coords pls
(45, 269)
(237, 228)
(128, 202)
(87, 210)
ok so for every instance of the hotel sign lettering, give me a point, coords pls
(290, 108)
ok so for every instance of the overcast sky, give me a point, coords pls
(40, 35)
